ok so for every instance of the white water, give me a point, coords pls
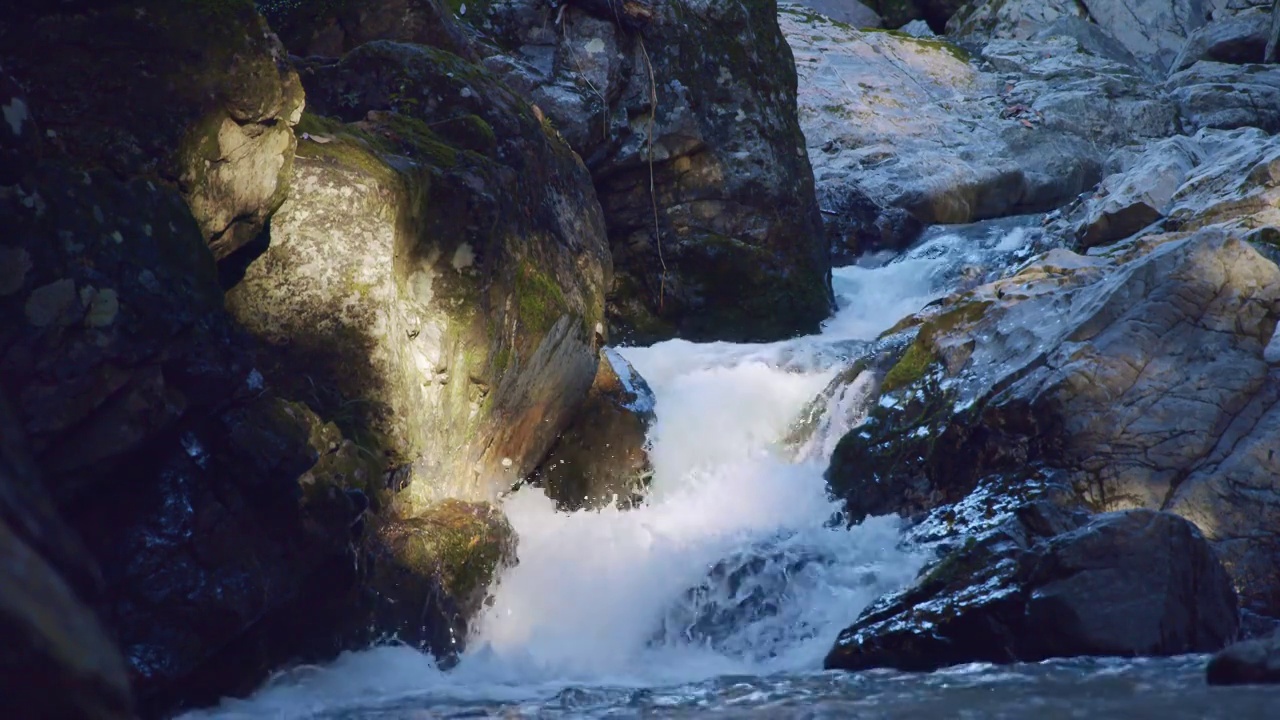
(601, 599)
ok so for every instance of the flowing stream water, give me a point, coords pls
(727, 587)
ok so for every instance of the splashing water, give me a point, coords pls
(729, 568)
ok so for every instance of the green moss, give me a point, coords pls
(960, 564)
(949, 48)
(539, 298)
(911, 368)
(460, 543)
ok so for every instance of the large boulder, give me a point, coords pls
(1150, 390)
(1011, 19)
(332, 28)
(850, 12)
(154, 437)
(197, 94)
(438, 273)
(1051, 583)
(685, 114)
(904, 132)
(897, 13)
(1239, 39)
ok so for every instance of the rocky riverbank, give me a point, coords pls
(1087, 434)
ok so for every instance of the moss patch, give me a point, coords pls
(539, 298)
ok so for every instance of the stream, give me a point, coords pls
(728, 586)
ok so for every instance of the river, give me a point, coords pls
(727, 587)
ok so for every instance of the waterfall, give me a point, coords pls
(731, 567)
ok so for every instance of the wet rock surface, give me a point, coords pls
(602, 458)
(1049, 582)
(1251, 662)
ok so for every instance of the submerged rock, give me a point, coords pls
(602, 458)
(197, 94)
(1251, 662)
(1052, 583)
(438, 272)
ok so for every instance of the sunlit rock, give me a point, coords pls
(438, 274)
(1141, 375)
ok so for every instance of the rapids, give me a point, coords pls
(727, 587)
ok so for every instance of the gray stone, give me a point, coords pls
(1251, 662)
(850, 12)
(1239, 39)
(1219, 95)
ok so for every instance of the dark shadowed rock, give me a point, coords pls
(57, 661)
(1052, 583)
(1251, 662)
(428, 576)
(689, 131)
(334, 27)
(601, 459)
(197, 94)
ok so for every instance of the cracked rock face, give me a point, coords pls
(199, 95)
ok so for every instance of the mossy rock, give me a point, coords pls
(429, 575)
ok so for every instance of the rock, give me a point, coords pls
(1240, 40)
(197, 94)
(19, 136)
(1160, 339)
(850, 12)
(1194, 182)
(1129, 201)
(1273, 41)
(1050, 583)
(1011, 19)
(1153, 31)
(429, 576)
(907, 132)
(233, 553)
(708, 191)
(308, 27)
(1252, 662)
(898, 13)
(601, 459)
(438, 273)
(1091, 39)
(1219, 95)
(57, 661)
